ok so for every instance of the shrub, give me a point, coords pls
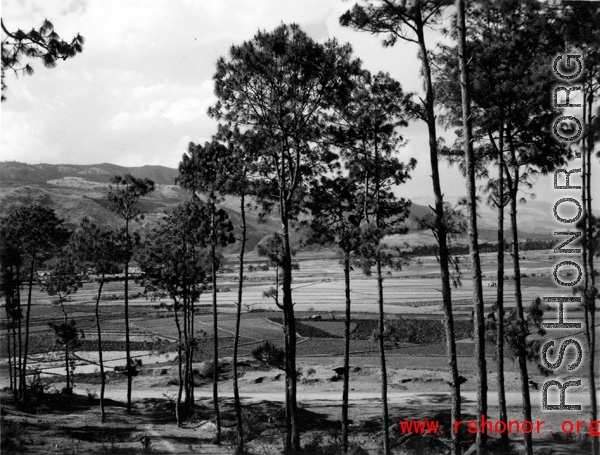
(35, 383)
(206, 369)
(146, 442)
(269, 354)
(14, 437)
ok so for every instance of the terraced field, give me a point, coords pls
(318, 289)
(415, 351)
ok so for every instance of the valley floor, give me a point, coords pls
(54, 423)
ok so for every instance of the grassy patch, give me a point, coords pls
(306, 330)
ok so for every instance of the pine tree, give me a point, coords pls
(400, 20)
(123, 197)
(280, 84)
(35, 234)
(101, 251)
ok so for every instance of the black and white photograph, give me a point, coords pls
(304, 227)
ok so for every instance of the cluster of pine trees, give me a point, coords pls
(304, 128)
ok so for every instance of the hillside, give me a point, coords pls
(22, 173)
(535, 219)
(75, 191)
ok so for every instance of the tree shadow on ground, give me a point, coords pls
(97, 433)
(161, 411)
(60, 403)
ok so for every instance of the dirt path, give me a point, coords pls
(159, 443)
(398, 398)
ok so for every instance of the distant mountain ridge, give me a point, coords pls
(12, 171)
(77, 191)
(535, 218)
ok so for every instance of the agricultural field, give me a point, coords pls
(417, 376)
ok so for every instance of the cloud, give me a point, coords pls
(185, 110)
(144, 79)
(139, 92)
(76, 7)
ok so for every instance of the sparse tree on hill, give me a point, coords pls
(175, 262)
(495, 320)
(43, 43)
(512, 112)
(35, 234)
(204, 170)
(400, 20)
(271, 247)
(499, 199)
(368, 123)
(101, 251)
(580, 26)
(63, 280)
(469, 156)
(530, 340)
(238, 165)
(337, 211)
(280, 83)
(123, 196)
(10, 286)
(384, 216)
(531, 150)
(488, 118)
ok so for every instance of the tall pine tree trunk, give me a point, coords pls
(179, 364)
(9, 324)
(213, 258)
(479, 321)
(292, 436)
(236, 340)
(187, 344)
(68, 379)
(381, 327)
(100, 351)
(287, 441)
(65, 319)
(588, 259)
(522, 353)
(23, 357)
(192, 344)
(9, 308)
(16, 329)
(290, 320)
(441, 234)
(500, 294)
(19, 340)
(128, 368)
(16, 359)
(346, 354)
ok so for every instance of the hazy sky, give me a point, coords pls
(139, 92)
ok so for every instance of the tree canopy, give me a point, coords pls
(41, 43)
